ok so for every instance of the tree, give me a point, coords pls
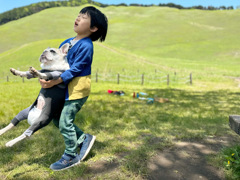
(222, 7)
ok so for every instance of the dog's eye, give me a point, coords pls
(52, 51)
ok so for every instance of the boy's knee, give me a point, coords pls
(66, 128)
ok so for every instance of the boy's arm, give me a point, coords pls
(54, 79)
(81, 60)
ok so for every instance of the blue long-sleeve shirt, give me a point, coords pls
(78, 77)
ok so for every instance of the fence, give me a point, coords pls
(143, 78)
(12, 78)
(157, 78)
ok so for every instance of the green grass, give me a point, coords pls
(129, 131)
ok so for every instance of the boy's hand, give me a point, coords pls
(50, 83)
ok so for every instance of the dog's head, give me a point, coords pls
(55, 59)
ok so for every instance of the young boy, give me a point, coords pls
(90, 25)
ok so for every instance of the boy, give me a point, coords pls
(90, 25)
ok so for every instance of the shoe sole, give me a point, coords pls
(89, 148)
(77, 163)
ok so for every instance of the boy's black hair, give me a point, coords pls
(99, 20)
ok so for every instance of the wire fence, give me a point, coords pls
(123, 78)
(11, 78)
(142, 78)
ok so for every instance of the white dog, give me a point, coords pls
(49, 102)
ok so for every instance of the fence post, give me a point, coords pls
(190, 78)
(23, 79)
(168, 79)
(7, 79)
(96, 77)
(175, 77)
(118, 78)
(142, 79)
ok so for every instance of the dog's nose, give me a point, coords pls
(42, 57)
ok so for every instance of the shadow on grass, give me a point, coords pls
(189, 115)
(129, 130)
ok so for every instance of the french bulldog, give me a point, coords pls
(50, 101)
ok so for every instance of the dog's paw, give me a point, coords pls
(14, 141)
(9, 144)
(17, 72)
(33, 71)
(2, 132)
(13, 71)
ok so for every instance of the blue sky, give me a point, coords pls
(6, 5)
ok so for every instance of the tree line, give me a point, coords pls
(177, 6)
(21, 12)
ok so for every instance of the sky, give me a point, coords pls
(6, 5)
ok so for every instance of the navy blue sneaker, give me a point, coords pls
(65, 162)
(86, 146)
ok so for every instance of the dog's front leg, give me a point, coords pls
(14, 141)
(7, 128)
(36, 73)
(18, 73)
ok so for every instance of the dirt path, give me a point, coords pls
(188, 160)
(185, 160)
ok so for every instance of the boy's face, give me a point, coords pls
(82, 25)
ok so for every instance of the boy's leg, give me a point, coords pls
(70, 131)
(78, 131)
(70, 134)
(84, 141)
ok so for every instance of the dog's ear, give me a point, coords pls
(64, 48)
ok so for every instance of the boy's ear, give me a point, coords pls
(93, 29)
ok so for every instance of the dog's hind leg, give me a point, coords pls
(7, 128)
(14, 141)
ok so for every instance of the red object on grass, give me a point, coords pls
(110, 91)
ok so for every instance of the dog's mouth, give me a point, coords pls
(75, 24)
(43, 59)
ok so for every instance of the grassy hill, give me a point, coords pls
(205, 43)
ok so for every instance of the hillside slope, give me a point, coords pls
(165, 38)
(105, 58)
